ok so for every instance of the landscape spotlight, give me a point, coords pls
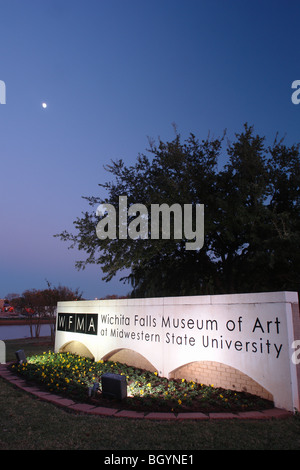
(114, 386)
(21, 357)
(94, 389)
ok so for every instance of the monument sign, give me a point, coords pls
(246, 338)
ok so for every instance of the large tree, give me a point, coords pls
(251, 217)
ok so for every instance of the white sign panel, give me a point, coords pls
(252, 333)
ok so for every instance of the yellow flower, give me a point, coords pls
(155, 373)
(179, 402)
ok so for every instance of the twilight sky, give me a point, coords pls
(113, 72)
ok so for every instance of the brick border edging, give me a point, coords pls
(71, 405)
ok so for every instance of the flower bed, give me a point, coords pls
(72, 376)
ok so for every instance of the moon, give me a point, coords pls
(44, 105)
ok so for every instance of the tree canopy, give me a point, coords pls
(252, 223)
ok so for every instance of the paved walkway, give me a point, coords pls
(69, 404)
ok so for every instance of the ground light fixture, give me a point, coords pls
(93, 389)
(114, 386)
(21, 356)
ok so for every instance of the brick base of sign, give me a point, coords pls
(206, 372)
(85, 408)
(76, 347)
(220, 375)
(131, 358)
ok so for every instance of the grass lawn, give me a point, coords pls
(29, 423)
